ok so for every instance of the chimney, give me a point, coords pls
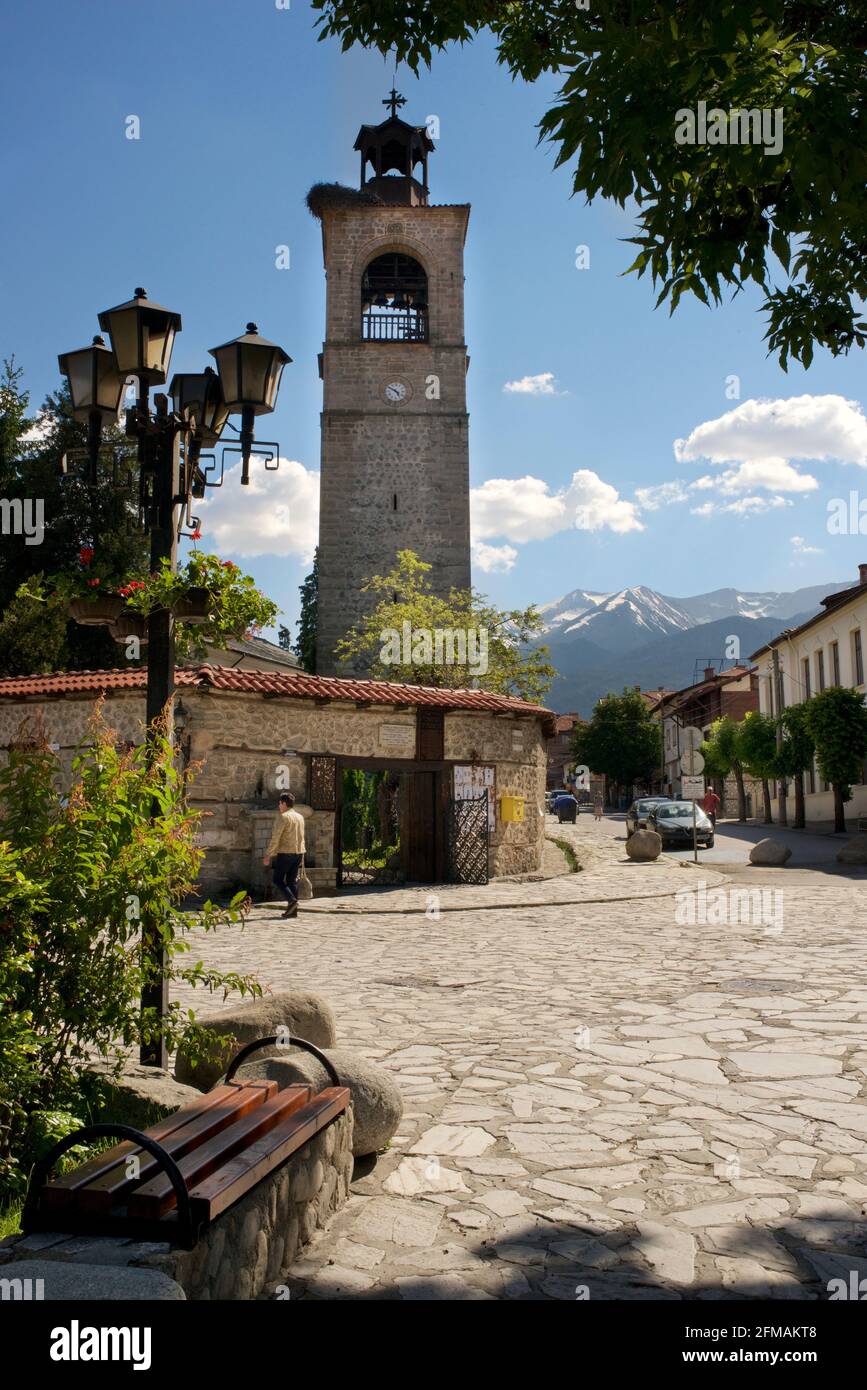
(862, 574)
(709, 673)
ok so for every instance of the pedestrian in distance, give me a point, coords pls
(286, 849)
(597, 807)
(710, 804)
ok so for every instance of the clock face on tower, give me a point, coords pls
(396, 392)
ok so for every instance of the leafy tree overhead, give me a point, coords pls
(397, 639)
(836, 720)
(621, 740)
(789, 213)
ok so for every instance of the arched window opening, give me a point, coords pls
(394, 305)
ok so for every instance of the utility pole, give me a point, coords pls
(777, 710)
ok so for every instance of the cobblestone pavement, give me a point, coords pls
(603, 1099)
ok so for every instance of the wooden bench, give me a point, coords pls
(169, 1181)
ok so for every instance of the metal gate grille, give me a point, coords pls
(467, 840)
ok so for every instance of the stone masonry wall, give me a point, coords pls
(243, 745)
(393, 476)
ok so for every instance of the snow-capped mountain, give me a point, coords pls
(617, 622)
(614, 621)
(721, 603)
(601, 642)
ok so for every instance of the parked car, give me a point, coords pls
(636, 816)
(673, 821)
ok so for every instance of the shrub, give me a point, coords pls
(79, 874)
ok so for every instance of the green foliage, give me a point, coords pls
(74, 515)
(757, 745)
(405, 596)
(621, 740)
(710, 216)
(721, 752)
(798, 748)
(235, 605)
(79, 874)
(305, 645)
(836, 720)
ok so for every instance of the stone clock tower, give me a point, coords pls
(395, 454)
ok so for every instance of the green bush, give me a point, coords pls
(79, 874)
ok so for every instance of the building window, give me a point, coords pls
(835, 663)
(820, 670)
(857, 657)
(394, 304)
(805, 668)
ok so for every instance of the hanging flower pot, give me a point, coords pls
(129, 625)
(96, 612)
(195, 607)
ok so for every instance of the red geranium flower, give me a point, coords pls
(195, 536)
(86, 554)
(93, 582)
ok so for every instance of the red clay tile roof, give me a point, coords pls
(289, 683)
(564, 723)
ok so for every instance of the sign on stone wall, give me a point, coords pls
(397, 736)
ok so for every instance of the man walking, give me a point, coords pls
(286, 848)
(710, 804)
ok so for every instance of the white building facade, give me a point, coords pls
(829, 649)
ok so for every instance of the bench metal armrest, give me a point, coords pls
(31, 1218)
(281, 1041)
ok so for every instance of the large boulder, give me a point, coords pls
(304, 1015)
(644, 845)
(377, 1105)
(770, 853)
(138, 1096)
(854, 851)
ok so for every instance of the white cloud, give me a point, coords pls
(650, 499)
(493, 559)
(802, 427)
(743, 506)
(541, 385)
(775, 474)
(525, 509)
(801, 547)
(276, 514)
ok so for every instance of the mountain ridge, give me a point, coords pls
(636, 636)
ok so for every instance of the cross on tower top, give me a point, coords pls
(394, 101)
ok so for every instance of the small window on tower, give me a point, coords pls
(394, 503)
(394, 305)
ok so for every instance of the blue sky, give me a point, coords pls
(241, 110)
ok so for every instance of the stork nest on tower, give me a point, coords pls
(338, 195)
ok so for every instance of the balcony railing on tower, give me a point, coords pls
(395, 326)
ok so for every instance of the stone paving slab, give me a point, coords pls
(601, 1101)
(608, 877)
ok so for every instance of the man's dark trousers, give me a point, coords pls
(285, 876)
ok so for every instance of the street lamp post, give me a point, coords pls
(170, 441)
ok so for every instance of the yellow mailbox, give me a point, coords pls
(511, 808)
